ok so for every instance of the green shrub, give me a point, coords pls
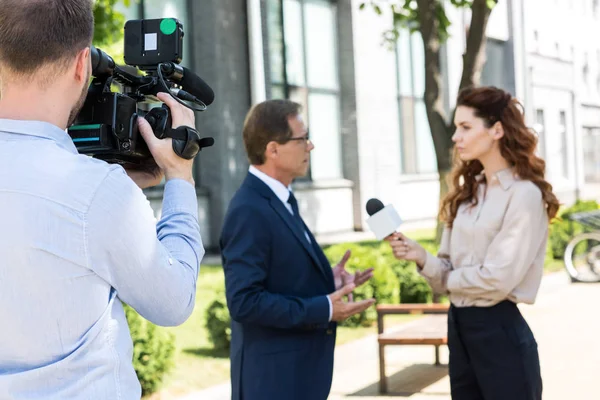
(383, 287)
(563, 229)
(153, 351)
(218, 323)
(413, 287)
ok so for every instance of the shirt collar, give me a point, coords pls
(39, 129)
(280, 190)
(506, 177)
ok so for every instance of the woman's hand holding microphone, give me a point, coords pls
(407, 249)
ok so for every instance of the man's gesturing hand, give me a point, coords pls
(343, 310)
(342, 277)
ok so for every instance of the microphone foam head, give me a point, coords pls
(374, 206)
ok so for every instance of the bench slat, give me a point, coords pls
(435, 308)
(415, 341)
(428, 330)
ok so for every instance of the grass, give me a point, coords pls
(554, 266)
(197, 365)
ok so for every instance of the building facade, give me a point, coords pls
(364, 102)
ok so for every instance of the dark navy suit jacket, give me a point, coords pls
(276, 284)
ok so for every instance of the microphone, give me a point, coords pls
(383, 221)
(194, 85)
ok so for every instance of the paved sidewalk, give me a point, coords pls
(564, 319)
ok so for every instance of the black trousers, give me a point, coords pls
(493, 354)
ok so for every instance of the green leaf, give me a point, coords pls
(377, 9)
(108, 23)
(362, 6)
(491, 4)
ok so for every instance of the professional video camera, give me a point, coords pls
(106, 127)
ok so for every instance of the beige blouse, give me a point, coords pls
(495, 250)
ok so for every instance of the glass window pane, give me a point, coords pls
(563, 144)
(556, 146)
(275, 40)
(591, 154)
(418, 64)
(404, 64)
(425, 151)
(539, 129)
(300, 96)
(407, 131)
(321, 51)
(326, 161)
(277, 92)
(294, 44)
(172, 9)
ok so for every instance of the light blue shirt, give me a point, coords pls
(283, 193)
(77, 237)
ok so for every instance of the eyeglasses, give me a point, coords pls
(304, 139)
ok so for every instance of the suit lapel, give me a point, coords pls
(293, 226)
(264, 190)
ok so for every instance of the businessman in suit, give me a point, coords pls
(283, 296)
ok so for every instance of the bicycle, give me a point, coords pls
(582, 254)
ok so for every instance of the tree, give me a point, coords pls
(428, 17)
(108, 22)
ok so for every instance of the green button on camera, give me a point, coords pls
(168, 26)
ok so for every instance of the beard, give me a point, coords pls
(78, 106)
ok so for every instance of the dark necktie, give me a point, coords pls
(294, 203)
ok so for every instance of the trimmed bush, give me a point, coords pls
(218, 323)
(153, 351)
(563, 229)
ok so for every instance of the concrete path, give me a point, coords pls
(565, 321)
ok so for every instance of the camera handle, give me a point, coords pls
(186, 140)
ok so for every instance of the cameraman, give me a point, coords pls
(77, 235)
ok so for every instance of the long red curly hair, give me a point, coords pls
(517, 146)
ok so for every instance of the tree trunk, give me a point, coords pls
(434, 102)
(443, 180)
(474, 56)
(473, 62)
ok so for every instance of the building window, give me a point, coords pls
(558, 154)
(539, 129)
(591, 154)
(303, 61)
(417, 152)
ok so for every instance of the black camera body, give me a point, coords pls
(106, 127)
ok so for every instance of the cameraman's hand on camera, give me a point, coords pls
(173, 166)
(406, 249)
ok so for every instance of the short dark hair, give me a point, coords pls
(35, 33)
(266, 122)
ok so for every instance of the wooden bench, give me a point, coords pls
(428, 330)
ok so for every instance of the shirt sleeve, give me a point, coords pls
(153, 267)
(511, 252)
(436, 269)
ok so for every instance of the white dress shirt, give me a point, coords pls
(496, 249)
